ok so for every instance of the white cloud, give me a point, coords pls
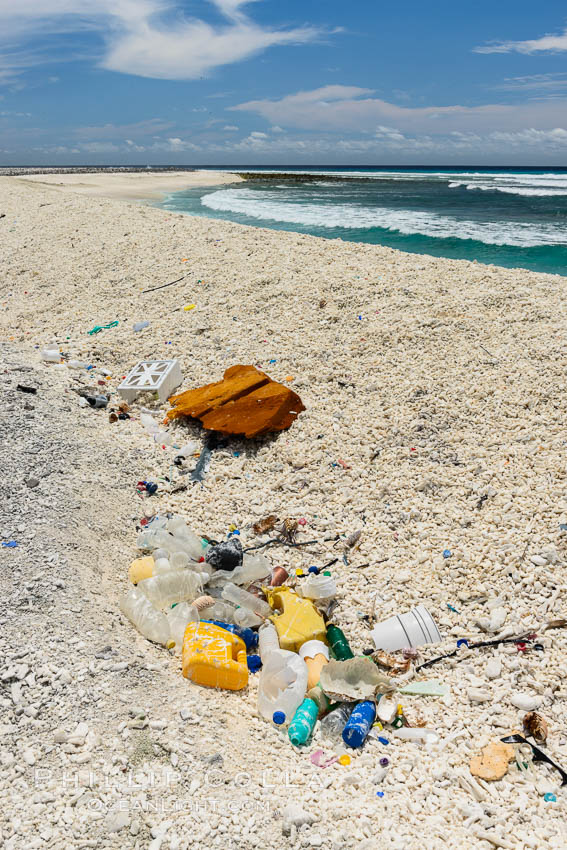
(99, 147)
(535, 82)
(549, 43)
(176, 144)
(230, 128)
(333, 108)
(148, 38)
(114, 131)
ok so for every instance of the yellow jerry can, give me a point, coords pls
(299, 620)
(214, 657)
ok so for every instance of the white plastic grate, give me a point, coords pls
(158, 376)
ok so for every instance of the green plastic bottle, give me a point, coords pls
(303, 722)
(339, 644)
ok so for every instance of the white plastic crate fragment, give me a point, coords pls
(158, 376)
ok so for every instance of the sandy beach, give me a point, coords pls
(136, 186)
(434, 423)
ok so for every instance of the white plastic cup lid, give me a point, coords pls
(311, 648)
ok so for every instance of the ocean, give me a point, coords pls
(506, 217)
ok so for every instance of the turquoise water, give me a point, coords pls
(514, 218)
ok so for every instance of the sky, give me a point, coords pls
(301, 82)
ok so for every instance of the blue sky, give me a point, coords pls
(232, 82)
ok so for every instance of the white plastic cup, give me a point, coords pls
(405, 631)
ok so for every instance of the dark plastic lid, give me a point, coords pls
(278, 717)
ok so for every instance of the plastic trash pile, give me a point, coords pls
(227, 613)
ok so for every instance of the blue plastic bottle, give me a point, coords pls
(249, 637)
(359, 724)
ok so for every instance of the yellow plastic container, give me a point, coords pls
(140, 569)
(214, 657)
(299, 620)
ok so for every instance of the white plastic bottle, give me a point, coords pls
(318, 587)
(246, 600)
(282, 685)
(175, 586)
(142, 614)
(178, 618)
(51, 354)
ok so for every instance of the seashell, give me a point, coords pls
(536, 726)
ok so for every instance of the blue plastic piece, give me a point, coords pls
(384, 741)
(278, 717)
(254, 663)
(249, 637)
(447, 553)
(313, 570)
(462, 642)
(359, 724)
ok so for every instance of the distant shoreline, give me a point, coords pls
(127, 185)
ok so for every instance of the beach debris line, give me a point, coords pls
(246, 402)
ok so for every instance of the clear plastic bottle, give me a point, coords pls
(148, 620)
(179, 560)
(246, 600)
(178, 618)
(223, 611)
(267, 640)
(149, 423)
(246, 619)
(176, 586)
(176, 525)
(162, 566)
(76, 364)
(334, 722)
(254, 568)
(282, 685)
(188, 543)
(146, 540)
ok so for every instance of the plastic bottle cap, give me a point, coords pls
(344, 760)
(278, 717)
(254, 663)
(313, 570)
